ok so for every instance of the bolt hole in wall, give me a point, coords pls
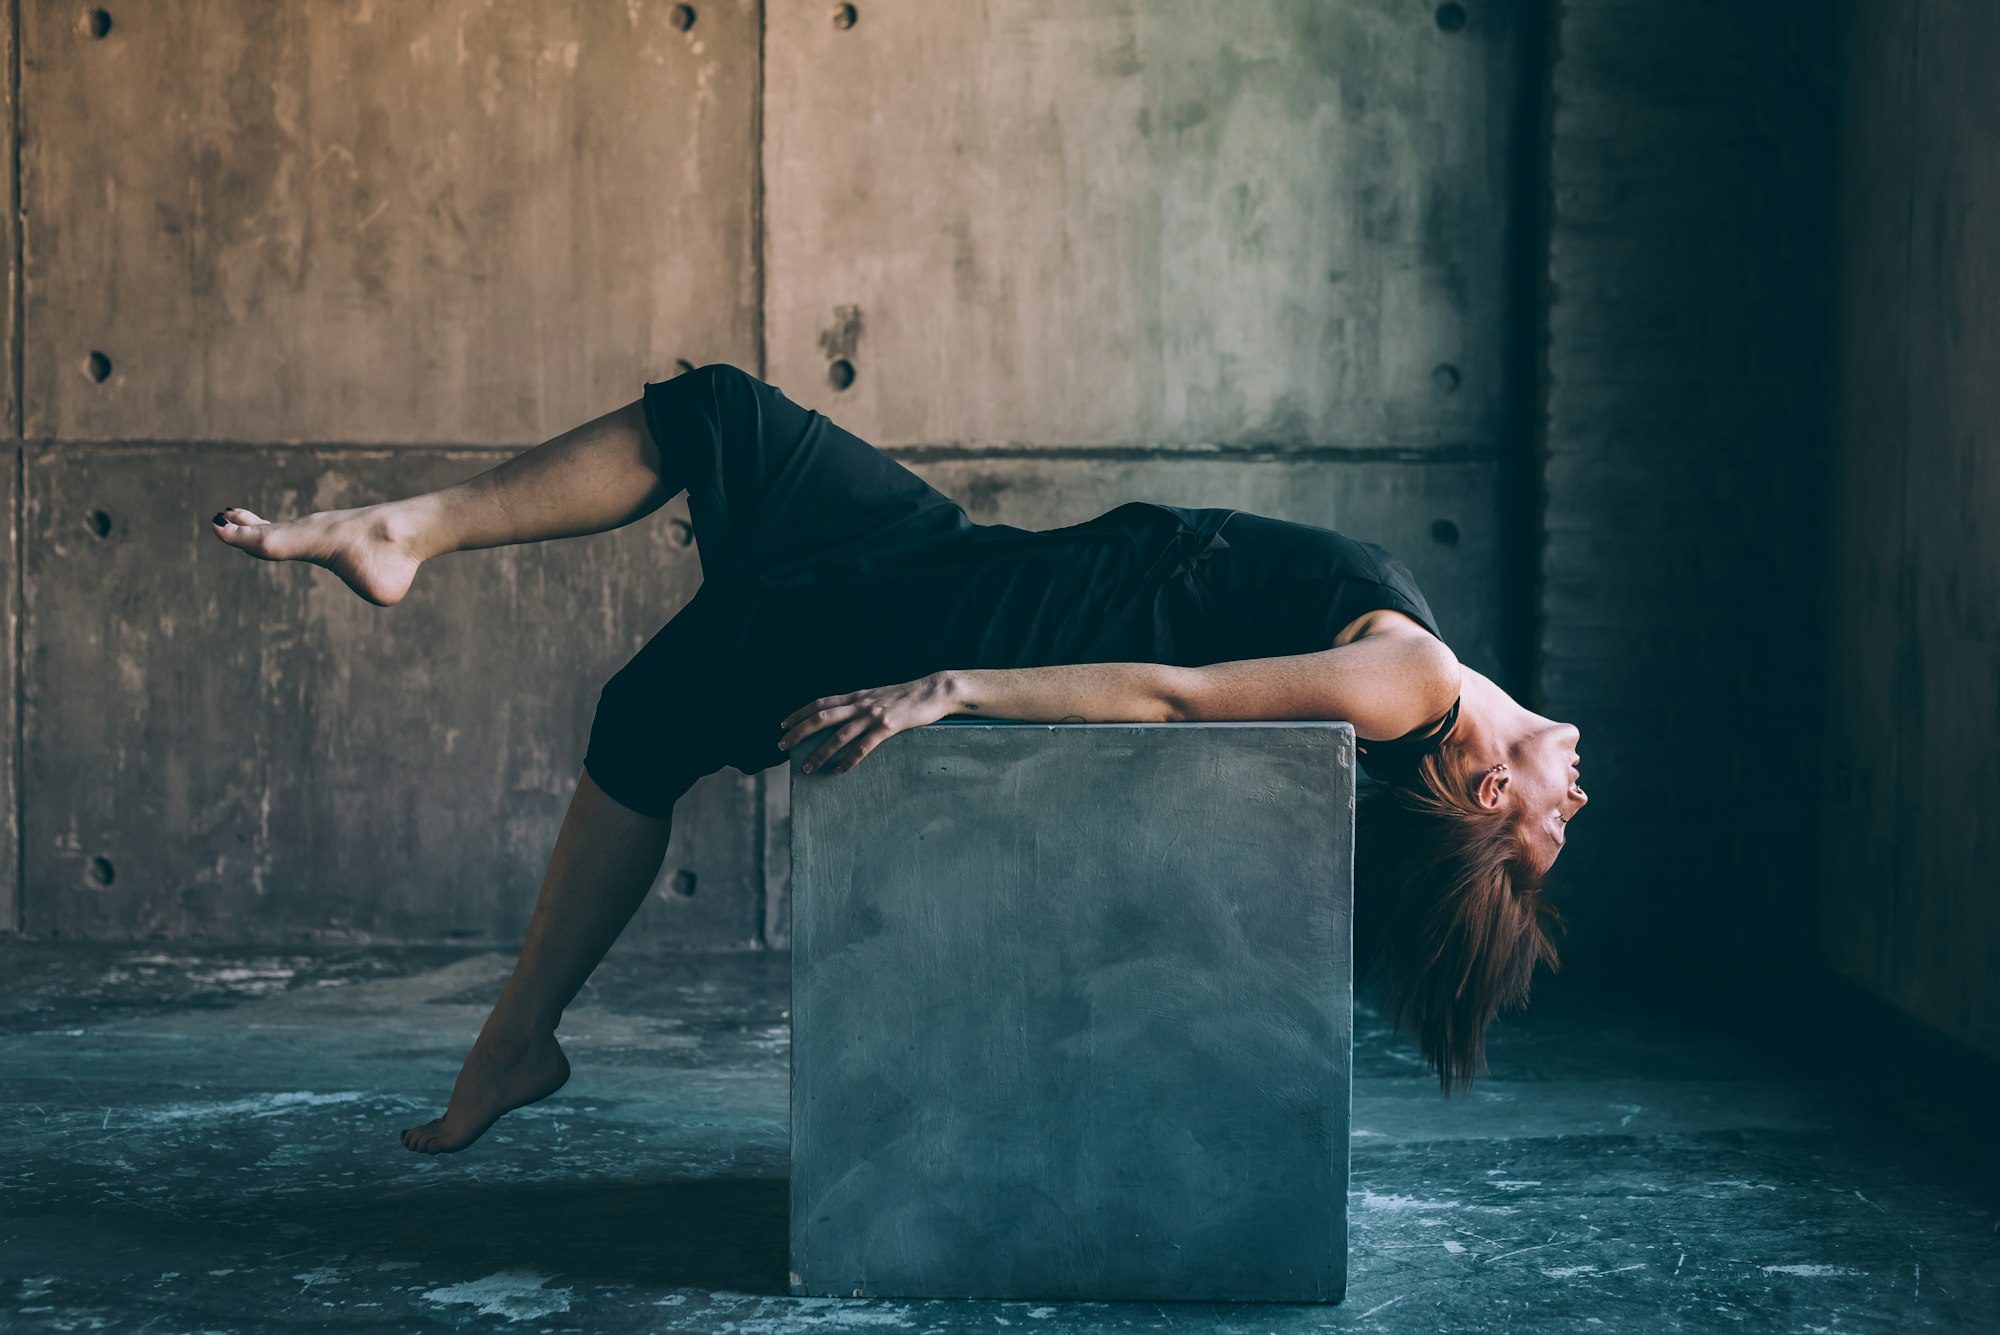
(98, 367)
(99, 523)
(1446, 378)
(844, 16)
(1451, 17)
(682, 17)
(841, 374)
(96, 23)
(1444, 533)
(102, 872)
(683, 883)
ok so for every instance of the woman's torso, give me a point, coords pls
(1143, 582)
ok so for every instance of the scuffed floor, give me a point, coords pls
(202, 1140)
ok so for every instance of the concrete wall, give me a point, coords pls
(310, 255)
(1909, 908)
(1689, 150)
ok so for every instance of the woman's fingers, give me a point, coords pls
(805, 722)
(813, 707)
(861, 748)
(847, 733)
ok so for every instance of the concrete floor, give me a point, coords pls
(205, 1140)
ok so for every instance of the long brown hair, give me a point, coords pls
(1454, 906)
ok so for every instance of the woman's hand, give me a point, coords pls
(867, 718)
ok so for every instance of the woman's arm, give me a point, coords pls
(1384, 684)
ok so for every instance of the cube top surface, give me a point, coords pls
(1072, 1013)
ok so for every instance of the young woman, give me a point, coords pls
(844, 600)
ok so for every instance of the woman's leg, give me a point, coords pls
(605, 860)
(601, 475)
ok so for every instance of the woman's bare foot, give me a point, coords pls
(500, 1075)
(373, 548)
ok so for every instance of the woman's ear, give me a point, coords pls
(1491, 790)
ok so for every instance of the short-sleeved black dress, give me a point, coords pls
(829, 567)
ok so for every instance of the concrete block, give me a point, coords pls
(225, 748)
(1072, 1014)
(426, 222)
(1270, 223)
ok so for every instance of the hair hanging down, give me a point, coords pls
(1455, 912)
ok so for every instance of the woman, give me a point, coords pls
(843, 600)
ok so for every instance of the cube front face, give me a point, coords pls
(1072, 1014)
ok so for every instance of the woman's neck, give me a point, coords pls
(1489, 720)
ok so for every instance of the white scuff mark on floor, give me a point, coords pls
(1809, 1271)
(262, 1105)
(1455, 1247)
(1516, 1184)
(517, 1295)
(251, 979)
(775, 1316)
(1568, 1271)
(1379, 1306)
(1746, 1186)
(1371, 1201)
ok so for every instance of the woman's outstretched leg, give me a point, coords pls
(605, 860)
(601, 475)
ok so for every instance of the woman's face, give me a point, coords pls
(1542, 773)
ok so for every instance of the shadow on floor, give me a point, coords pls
(710, 1233)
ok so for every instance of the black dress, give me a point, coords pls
(828, 567)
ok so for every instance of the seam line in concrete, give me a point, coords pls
(1250, 452)
(759, 234)
(17, 298)
(1255, 452)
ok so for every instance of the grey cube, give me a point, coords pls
(1072, 1014)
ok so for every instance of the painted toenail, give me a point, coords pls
(218, 518)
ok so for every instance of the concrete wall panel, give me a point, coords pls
(417, 222)
(236, 749)
(1864, 889)
(1685, 432)
(1063, 223)
(1908, 909)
